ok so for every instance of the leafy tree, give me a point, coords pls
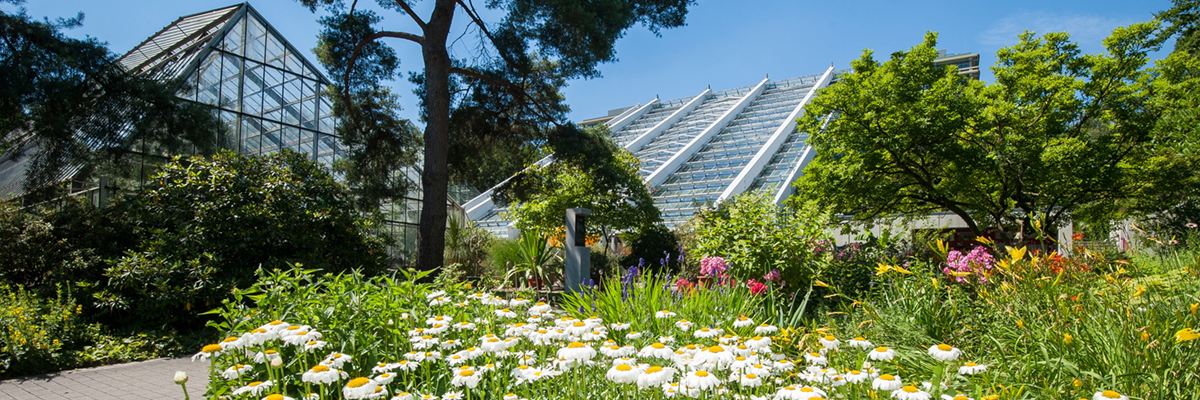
(507, 89)
(538, 196)
(64, 102)
(1183, 23)
(1058, 131)
(205, 225)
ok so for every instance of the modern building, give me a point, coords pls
(706, 148)
(967, 63)
(267, 92)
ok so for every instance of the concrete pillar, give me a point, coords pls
(579, 256)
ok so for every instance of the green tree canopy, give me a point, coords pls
(65, 102)
(504, 95)
(610, 186)
(1058, 131)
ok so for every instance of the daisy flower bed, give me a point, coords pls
(342, 337)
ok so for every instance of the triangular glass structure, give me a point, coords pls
(264, 89)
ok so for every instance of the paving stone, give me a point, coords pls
(152, 379)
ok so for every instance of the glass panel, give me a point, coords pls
(290, 138)
(327, 124)
(270, 137)
(188, 92)
(274, 51)
(250, 135)
(252, 88)
(293, 63)
(228, 141)
(325, 145)
(210, 80)
(308, 106)
(231, 72)
(233, 40)
(306, 143)
(256, 46)
(291, 97)
(273, 96)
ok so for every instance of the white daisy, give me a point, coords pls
(1109, 395)
(576, 351)
(236, 371)
(518, 302)
(958, 396)
(657, 350)
(944, 352)
(623, 373)
(314, 345)
(466, 377)
(856, 376)
(209, 351)
(654, 376)
(634, 335)
(765, 329)
(886, 382)
(830, 342)
(750, 380)
(684, 325)
(742, 322)
(505, 313)
(816, 359)
(336, 360)
(911, 392)
(253, 388)
(619, 326)
(663, 314)
(860, 342)
(702, 380)
(971, 368)
(706, 333)
(402, 396)
(881, 354)
(322, 375)
(384, 378)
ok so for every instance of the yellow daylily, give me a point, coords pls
(900, 270)
(882, 269)
(819, 283)
(1141, 289)
(1193, 307)
(984, 240)
(1186, 334)
(1016, 254)
(1066, 338)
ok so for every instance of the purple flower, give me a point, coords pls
(774, 275)
(977, 262)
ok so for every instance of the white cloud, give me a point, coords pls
(1087, 30)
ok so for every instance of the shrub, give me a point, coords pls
(755, 237)
(35, 333)
(650, 245)
(205, 225)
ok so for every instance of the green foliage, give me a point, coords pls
(468, 245)
(649, 246)
(635, 300)
(36, 333)
(604, 179)
(755, 236)
(1182, 23)
(529, 259)
(65, 103)
(204, 226)
(1057, 131)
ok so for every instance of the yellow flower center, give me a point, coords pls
(579, 323)
(357, 382)
(505, 310)
(653, 369)
(275, 396)
(658, 345)
(881, 349)
(378, 389)
(742, 347)
(815, 354)
(523, 367)
(806, 389)
(212, 348)
(575, 345)
(860, 338)
(466, 373)
(960, 397)
(302, 333)
(751, 376)
(716, 349)
(945, 347)
(740, 358)
(320, 368)
(1111, 394)
(701, 374)
(312, 342)
(854, 372)
(910, 389)
(623, 367)
(276, 322)
(255, 383)
(540, 303)
(971, 364)
(259, 330)
(829, 338)
(887, 377)
(270, 351)
(293, 328)
(231, 339)
(337, 355)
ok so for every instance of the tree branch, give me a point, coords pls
(504, 83)
(408, 10)
(358, 50)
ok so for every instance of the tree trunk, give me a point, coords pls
(434, 180)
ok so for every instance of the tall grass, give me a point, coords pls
(635, 299)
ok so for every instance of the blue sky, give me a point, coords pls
(726, 43)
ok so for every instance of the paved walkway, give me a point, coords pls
(152, 379)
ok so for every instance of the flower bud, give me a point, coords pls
(180, 377)
(277, 362)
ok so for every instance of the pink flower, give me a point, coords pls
(978, 262)
(756, 287)
(774, 275)
(712, 266)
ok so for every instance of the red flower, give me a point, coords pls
(1077, 236)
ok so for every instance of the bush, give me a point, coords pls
(205, 225)
(755, 237)
(36, 334)
(649, 246)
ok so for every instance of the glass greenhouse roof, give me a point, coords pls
(704, 149)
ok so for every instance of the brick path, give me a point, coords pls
(152, 379)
